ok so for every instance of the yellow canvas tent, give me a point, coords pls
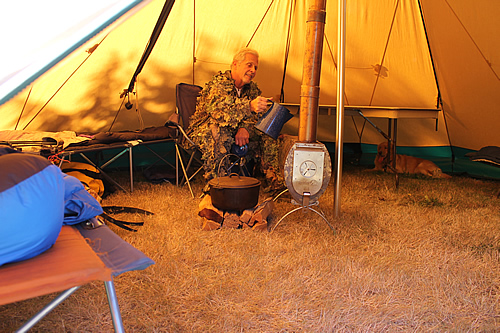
(399, 53)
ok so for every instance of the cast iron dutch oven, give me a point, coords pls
(234, 192)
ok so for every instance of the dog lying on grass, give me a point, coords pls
(405, 164)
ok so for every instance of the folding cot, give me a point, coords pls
(119, 149)
(66, 144)
(70, 263)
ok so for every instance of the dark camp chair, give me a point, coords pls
(188, 159)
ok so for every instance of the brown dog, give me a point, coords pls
(405, 163)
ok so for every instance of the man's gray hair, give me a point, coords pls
(240, 55)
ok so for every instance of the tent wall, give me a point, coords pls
(387, 64)
(39, 36)
(464, 41)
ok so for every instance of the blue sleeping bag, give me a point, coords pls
(36, 199)
(31, 205)
(79, 205)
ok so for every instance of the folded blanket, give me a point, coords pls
(489, 154)
(147, 134)
(65, 138)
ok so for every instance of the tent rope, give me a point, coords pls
(287, 44)
(287, 51)
(335, 64)
(448, 135)
(439, 102)
(90, 51)
(488, 63)
(137, 108)
(358, 132)
(385, 51)
(116, 115)
(261, 20)
(24, 107)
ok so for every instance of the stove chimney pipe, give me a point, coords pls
(309, 91)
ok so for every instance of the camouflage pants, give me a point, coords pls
(262, 149)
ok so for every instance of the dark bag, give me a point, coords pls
(90, 177)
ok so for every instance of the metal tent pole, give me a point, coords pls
(340, 106)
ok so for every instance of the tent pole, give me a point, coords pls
(309, 90)
(340, 106)
(194, 40)
(439, 101)
(152, 41)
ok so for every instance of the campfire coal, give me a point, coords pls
(254, 218)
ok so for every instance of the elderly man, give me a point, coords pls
(227, 109)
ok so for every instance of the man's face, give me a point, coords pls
(245, 71)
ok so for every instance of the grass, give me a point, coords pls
(423, 257)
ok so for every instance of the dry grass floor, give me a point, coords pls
(421, 258)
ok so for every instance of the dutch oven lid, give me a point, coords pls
(234, 181)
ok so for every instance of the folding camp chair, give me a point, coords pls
(70, 263)
(186, 95)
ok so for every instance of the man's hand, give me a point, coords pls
(242, 137)
(259, 104)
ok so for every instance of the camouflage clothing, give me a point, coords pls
(220, 112)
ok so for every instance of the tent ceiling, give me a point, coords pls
(40, 36)
(387, 64)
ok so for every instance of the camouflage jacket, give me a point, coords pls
(220, 112)
(219, 106)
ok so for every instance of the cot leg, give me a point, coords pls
(113, 306)
(131, 167)
(184, 170)
(46, 310)
(102, 167)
